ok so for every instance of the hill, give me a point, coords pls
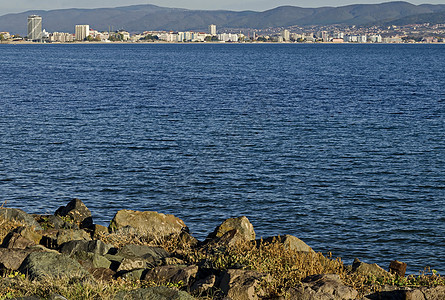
(139, 18)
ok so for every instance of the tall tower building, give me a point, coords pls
(212, 29)
(82, 31)
(35, 28)
(285, 34)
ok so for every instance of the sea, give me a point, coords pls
(342, 146)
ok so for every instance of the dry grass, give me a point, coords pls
(286, 268)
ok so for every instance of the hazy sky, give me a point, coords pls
(11, 6)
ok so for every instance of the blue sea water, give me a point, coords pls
(342, 146)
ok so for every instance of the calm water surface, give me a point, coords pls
(342, 146)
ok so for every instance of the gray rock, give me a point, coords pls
(15, 241)
(290, 242)
(154, 293)
(54, 222)
(54, 238)
(150, 224)
(76, 211)
(133, 275)
(90, 260)
(96, 247)
(128, 264)
(203, 285)
(41, 265)
(322, 287)
(20, 216)
(242, 284)
(12, 258)
(241, 225)
(173, 274)
(153, 256)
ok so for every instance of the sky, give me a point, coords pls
(15, 6)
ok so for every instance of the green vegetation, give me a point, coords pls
(286, 269)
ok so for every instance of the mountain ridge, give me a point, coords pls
(138, 18)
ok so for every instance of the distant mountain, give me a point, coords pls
(139, 18)
(432, 18)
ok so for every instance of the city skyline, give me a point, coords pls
(261, 5)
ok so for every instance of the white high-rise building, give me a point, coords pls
(82, 31)
(285, 34)
(212, 29)
(35, 28)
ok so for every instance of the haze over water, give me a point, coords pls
(342, 146)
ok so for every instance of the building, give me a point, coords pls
(35, 28)
(212, 29)
(61, 37)
(285, 34)
(81, 32)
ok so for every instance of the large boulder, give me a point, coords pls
(155, 293)
(53, 238)
(290, 242)
(365, 269)
(172, 274)
(55, 222)
(96, 247)
(322, 287)
(150, 224)
(14, 214)
(142, 251)
(44, 265)
(90, 260)
(11, 259)
(76, 211)
(237, 228)
(239, 284)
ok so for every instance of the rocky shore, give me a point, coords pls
(150, 255)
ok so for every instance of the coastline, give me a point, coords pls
(150, 252)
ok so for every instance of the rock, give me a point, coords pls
(150, 224)
(398, 268)
(290, 242)
(155, 293)
(395, 293)
(322, 287)
(241, 225)
(172, 274)
(230, 238)
(368, 269)
(53, 238)
(76, 211)
(90, 260)
(15, 241)
(12, 258)
(169, 261)
(19, 215)
(203, 285)
(241, 284)
(96, 247)
(54, 222)
(98, 231)
(102, 274)
(44, 265)
(153, 256)
(129, 264)
(433, 293)
(186, 239)
(133, 275)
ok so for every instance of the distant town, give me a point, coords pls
(414, 33)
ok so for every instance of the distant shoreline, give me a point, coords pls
(207, 43)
